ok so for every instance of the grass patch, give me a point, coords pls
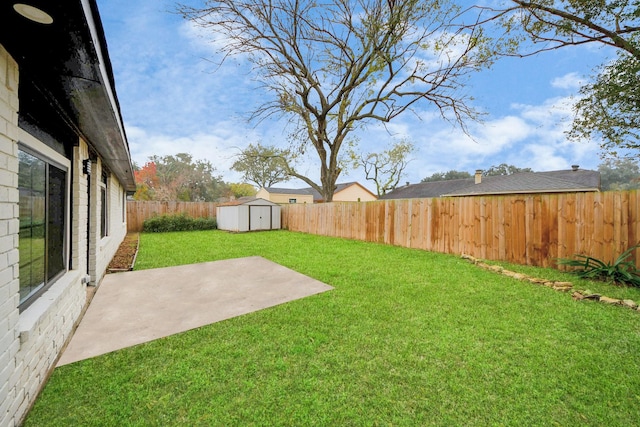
(406, 338)
(596, 286)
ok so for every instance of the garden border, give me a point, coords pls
(560, 286)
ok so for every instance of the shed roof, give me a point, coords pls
(253, 201)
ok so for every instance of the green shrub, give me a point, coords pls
(180, 222)
(621, 271)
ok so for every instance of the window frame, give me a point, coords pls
(103, 186)
(62, 205)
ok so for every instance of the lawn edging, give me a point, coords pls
(125, 257)
(559, 286)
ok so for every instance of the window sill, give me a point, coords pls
(30, 318)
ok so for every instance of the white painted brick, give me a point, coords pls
(7, 243)
(4, 262)
(6, 144)
(6, 276)
(5, 396)
(14, 286)
(6, 340)
(13, 164)
(8, 178)
(5, 373)
(14, 195)
(6, 211)
(4, 230)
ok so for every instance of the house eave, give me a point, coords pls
(67, 61)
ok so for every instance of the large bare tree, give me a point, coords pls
(334, 66)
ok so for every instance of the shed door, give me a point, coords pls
(259, 217)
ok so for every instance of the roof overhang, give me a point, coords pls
(67, 63)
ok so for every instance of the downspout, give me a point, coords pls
(86, 168)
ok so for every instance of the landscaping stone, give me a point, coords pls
(577, 295)
(608, 300)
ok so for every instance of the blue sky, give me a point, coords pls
(174, 98)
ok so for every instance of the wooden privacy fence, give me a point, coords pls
(524, 229)
(137, 212)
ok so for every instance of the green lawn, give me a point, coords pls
(406, 338)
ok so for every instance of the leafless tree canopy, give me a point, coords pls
(334, 65)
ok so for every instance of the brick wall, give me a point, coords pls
(103, 248)
(31, 340)
(10, 396)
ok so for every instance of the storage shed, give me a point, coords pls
(248, 214)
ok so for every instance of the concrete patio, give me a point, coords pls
(135, 307)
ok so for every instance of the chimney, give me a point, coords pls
(575, 167)
(478, 176)
(408, 183)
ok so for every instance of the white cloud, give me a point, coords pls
(174, 99)
(220, 148)
(568, 81)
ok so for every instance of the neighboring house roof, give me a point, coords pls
(274, 190)
(66, 74)
(585, 177)
(526, 182)
(428, 189)
(317, 197)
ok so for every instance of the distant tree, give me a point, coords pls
(242, 190)
(178, 177)
(504, 169)
(385, 169)
(619, 174)
(609, 109)
(146, 181)
(334, 66)
(263, 165)
(447, 176)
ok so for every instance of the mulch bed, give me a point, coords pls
(125, 256)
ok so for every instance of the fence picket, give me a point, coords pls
(526, 229)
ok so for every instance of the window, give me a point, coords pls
(104, 209)
(293, 200)
(42, 186)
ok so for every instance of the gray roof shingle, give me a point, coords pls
(274, 190)
(428, 189)
(525, 182)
